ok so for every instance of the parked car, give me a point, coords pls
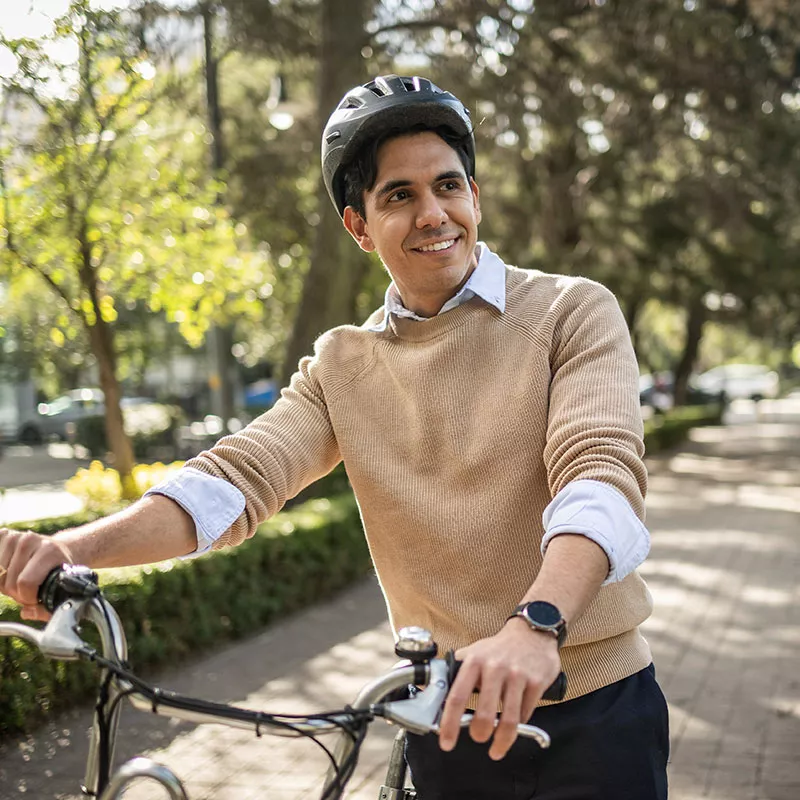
(658, 391)
(55, 420)
(749, 381)
(58, 420)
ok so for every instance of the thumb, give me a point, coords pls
(34, 613)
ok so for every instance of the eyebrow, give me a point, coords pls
(391, 186)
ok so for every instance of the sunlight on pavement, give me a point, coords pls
(26, 505)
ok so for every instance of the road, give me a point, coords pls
(724, 513)
(32, 482)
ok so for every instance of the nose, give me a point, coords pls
(430, 213)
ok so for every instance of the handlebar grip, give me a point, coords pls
(556, 691)
(65, 582)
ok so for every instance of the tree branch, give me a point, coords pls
(85, 68)
(11, 245)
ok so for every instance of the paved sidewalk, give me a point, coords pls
(725, 518)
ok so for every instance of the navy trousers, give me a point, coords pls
(611, 744)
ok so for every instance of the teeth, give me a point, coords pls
(429, 248)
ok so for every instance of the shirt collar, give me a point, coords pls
(488, 281)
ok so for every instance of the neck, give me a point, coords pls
(428, 303)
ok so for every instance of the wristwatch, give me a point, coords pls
(543, 616)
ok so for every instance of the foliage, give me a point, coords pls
(110, 204)
(100, 487)
(648, 145)
(295, 559)
(645, 145)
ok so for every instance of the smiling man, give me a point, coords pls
(488, 418)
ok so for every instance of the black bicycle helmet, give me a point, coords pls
(382, 104)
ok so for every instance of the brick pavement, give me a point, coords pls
(725, 517)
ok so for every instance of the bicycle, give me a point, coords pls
(410, 696)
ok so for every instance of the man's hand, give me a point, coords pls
(25, 560)
(515, 667)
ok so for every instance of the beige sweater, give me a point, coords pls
(456, 433)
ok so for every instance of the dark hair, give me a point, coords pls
(361, 173)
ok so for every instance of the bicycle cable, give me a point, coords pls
(352, 722)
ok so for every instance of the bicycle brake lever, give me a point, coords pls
(541, 737)
(59, 639)
(420, 713)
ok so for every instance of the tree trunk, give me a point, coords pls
(337, 267)
(631, 306)
(695, 321)
(101, 340)
(220, 337)
(560, 223)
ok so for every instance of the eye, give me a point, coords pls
(400, 194)
(450, 186)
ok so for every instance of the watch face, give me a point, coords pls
(543, 613)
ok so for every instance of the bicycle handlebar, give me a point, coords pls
(71, 594)
(69, 581)
(556, 690)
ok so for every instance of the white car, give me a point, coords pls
(748, 381)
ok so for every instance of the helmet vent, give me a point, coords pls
(381, 87)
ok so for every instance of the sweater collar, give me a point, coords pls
(488, 282)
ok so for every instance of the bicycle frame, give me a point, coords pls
(60, 640)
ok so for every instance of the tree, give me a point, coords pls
(605, 131)
(106, 208)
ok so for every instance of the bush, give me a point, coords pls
(667, 430)
(100, 487)
(295, 559)
(150, 426)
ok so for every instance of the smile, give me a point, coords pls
(432, 248)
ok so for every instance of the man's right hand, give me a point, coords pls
(27, 558)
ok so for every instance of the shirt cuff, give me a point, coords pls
(213, 503)
(601, 513)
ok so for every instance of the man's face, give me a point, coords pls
(422, 218)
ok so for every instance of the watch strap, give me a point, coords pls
(557, 629)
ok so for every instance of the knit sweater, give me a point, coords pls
(456, 433)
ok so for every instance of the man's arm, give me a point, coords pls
(594, 433)
(515, 666)
(272, 459)
(152, 529)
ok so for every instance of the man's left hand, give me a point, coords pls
(514, 667)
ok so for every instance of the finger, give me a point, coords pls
(24, 547)
(46, 555)
(530, 699)
(456, 704)
(506, 732)
(5, 555)
(34, 613)
(483, 721)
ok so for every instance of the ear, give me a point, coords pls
(357, 227)
(476, 201)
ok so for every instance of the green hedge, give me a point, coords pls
(667, 430)
(171, 610)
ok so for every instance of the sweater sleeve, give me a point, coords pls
(277, 455)
(595, 429)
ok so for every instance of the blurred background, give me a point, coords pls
(169, 252)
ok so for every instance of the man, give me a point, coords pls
(489, 422)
